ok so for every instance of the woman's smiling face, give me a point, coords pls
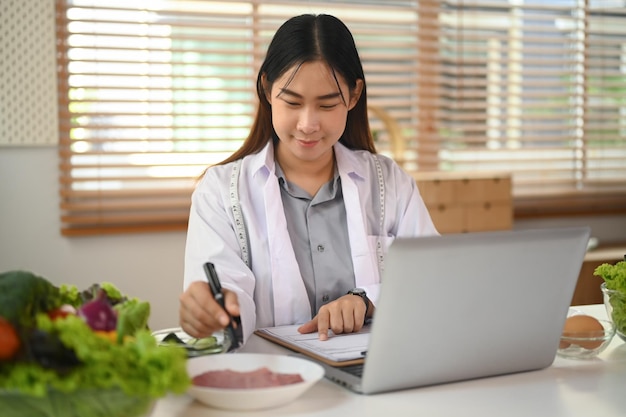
(309, 111)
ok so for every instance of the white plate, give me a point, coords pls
(252, 398)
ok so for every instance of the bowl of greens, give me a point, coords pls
(614, 294)
(65, 352)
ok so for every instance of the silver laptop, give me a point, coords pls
(458, 307)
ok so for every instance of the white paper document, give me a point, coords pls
(338, 347)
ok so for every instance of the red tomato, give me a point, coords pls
(9, 340)
(58, 313)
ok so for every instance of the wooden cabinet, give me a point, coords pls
(467, 202)
(588, 287)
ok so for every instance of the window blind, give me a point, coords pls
(153, 92)
(535, 88)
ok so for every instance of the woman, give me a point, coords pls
(302, 214)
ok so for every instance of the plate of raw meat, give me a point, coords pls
(250, 381)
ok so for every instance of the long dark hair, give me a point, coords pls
(301, 39)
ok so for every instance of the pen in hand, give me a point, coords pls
(235, 335)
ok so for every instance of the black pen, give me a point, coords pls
(216, 289)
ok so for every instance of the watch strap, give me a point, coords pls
(359, 292)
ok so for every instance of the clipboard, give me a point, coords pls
(338, 351)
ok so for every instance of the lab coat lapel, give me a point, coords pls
(363, 260)
(287, 283)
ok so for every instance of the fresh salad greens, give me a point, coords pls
(614, 277)
(62, 343)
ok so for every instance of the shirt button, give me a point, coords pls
(320, 248)
(325, 298)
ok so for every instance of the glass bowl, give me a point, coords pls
(82, 403)
(586, 344)
(615, 304)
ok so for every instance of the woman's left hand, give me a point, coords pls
(344, 315)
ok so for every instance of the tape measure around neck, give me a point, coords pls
(381, 197)
(235, 206)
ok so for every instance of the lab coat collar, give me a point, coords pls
(263, 161)
(347, 162)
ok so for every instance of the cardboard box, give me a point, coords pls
(467, 202)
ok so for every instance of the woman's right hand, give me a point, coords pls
(200, 315)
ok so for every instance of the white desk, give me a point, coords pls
(569, 388)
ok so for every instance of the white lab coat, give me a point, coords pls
(272, 292)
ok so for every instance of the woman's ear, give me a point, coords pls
(267, 89)
(355, 94)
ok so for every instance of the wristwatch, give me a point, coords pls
(360, 292)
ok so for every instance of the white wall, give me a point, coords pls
(148, 266)
(608, 229)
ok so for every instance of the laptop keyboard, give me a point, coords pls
(356, 370)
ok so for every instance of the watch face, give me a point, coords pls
(357, 291)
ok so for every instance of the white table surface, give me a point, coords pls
(569, 387)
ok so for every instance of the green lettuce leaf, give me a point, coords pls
(132, 316)
(613, 275)
(114, 294)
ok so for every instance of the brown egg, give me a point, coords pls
(582, 326)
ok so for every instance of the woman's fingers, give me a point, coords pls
(344, 315)
(200, 315)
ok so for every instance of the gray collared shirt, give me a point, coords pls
(319, 235)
